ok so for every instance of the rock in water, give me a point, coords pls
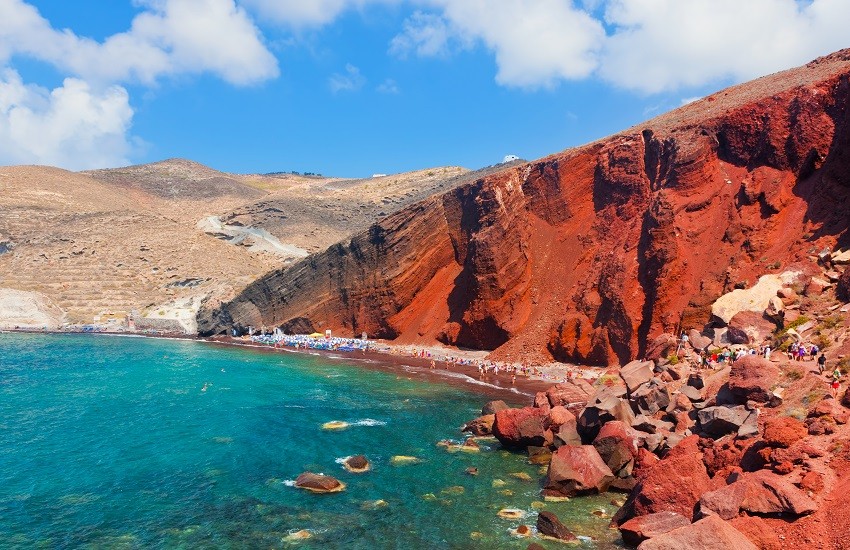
(357, 464)
(402, 460)
(317, 483)
(548, 525)
(521, 428)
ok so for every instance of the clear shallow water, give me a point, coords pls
(114, 443)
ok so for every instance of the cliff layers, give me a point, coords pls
(587, 255)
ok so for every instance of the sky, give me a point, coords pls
(351, 88)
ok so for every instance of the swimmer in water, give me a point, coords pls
(206, 385)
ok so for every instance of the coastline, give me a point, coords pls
(401, 361)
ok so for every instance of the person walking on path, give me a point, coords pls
(836, 382)
(821, 363)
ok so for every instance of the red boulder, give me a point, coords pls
(521, 428)
(751, 379)
(577, 471)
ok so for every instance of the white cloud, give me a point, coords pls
(71, 126)
(171, 37)
(428, 35)
(668, 44)
(650, 45)
(388, 86)
(351, 81)
(536, 42)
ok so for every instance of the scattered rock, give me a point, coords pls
(510, 513)
(601, 410)
(755, 325)
(641, 528)
(617, 444)
(761, 492)
(402, 460)
(698, 341)
(317, 483)
(711, 533)
(662, 347)
(548, 525)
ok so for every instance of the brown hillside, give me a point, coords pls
(586, 255)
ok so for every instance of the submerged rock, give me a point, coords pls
(335, 425)
(403, 460)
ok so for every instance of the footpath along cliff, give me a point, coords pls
(587, 255)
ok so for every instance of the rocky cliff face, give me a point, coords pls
(587, 255)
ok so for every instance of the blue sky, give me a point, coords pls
(356, 87)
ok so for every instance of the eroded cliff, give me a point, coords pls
(586, 255)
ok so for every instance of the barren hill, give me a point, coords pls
(588, 254)
(98, 245)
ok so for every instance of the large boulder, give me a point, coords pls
(756, 298)
(737, 336)
(548, 525)
(755, 325)
(317, 483)
(762, 493)
(572, 394)
(711, 533)
(845, 400)
(577, 471)
(698, 340)
(751, 379)
(651, 398)
(641, 528)
(618, 445)
(562, 423)
(521, 428)
(719, 421)
(636, 373)
(674, 484)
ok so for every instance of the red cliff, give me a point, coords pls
(588, 254)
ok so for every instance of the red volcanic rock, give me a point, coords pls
(758, 532)
(562, 424)
(761, 492)
(845, 399)
(636, 374)
(577, 471)
(641, 528)
(572, 394)
(842, 289)
(812, 481)
(541, 401)
(521, 428)
(674, 484)
(783, 431)
(711, 533)
(588, 254)
(662, 347)
(752, 379)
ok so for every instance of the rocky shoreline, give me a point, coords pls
(705, 456)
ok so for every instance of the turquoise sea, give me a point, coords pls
(117, 442)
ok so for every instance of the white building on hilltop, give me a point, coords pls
(509, 158)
